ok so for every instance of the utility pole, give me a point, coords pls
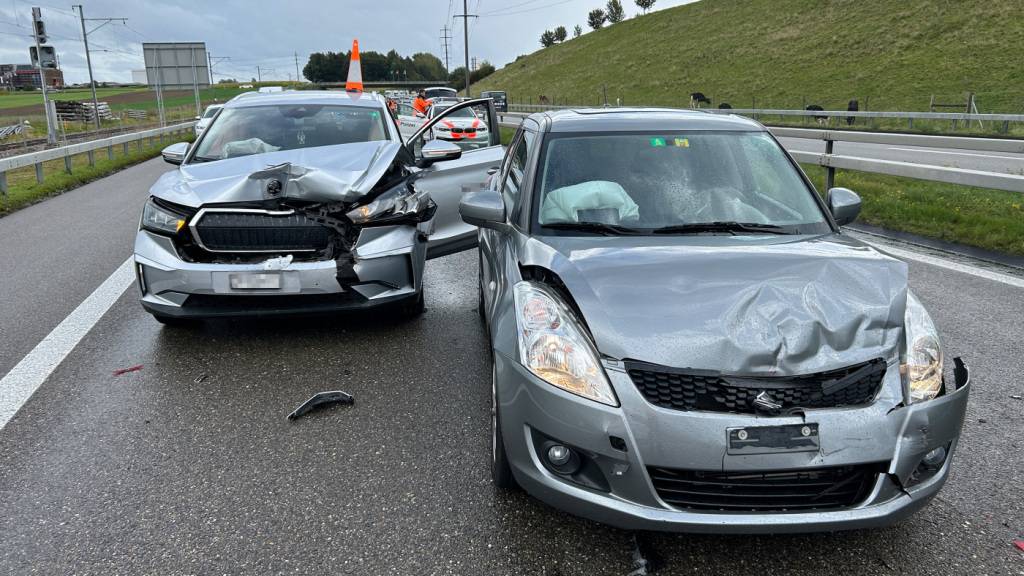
(297, 67)
(259, 77)
(88, 60)
(213, 61)
(39, 34)
(465, 35)
(446, 39)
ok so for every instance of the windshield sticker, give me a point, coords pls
(657, 142)
(682, 142)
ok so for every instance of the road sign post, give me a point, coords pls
(39, 33)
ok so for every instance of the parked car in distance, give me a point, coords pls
(270, 89)
(499, 97)
(441, 92)
(203, 121)
(303, 202)
(685, 339)
(464, 127)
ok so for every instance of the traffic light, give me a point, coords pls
(40, 29)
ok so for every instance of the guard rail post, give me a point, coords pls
(830, 171)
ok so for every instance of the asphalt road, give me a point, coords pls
(188, 466)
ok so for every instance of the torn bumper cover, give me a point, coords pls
(385, 266)
(644, 467)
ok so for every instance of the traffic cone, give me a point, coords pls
(355, 72)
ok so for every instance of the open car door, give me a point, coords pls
(448, 180)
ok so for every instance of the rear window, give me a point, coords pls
(259, 129)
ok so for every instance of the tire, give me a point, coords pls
(172, 322)
(414, 307)
(501, 471)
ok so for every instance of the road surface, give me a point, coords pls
(188, 465)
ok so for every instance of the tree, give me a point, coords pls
(576, 31)
(645, 5)
(596, 19)
(547, 38)
(614, 12)
(560, 34)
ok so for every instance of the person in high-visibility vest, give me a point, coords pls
(420, 104)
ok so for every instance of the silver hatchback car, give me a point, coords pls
(685, 339)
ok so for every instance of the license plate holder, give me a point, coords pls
(773, 439)
(255, 281)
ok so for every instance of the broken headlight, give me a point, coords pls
(555, 348)
(922, 367)
(399, 204)
(159, 219)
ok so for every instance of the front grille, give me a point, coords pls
(259, 232)
(756, 491)
(696, 390)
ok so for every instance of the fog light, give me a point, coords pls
(934, 459)
(559, 455)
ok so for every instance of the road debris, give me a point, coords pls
(1019, 544)
(200, 378)
(120, 371)
(321, 399)
(642, 561)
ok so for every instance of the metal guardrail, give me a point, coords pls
(934, 173)
(89, 148)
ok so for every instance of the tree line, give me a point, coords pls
(613, 13)
(377, 67)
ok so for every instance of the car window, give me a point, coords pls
(646, 181)
(260, 129)
(210, 112)
(512, 184)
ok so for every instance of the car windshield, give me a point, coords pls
(210, 112)
(693, 182)
(462, 113)
(258, 129)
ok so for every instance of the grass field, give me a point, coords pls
(889, 54)
(18, 99)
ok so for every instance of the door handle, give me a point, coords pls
(493, 170)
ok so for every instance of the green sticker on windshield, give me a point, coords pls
(657, 142)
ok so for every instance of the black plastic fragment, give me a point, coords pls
(321, 399)
(959, 372)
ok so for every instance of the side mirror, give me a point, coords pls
(844, 205)
(438, 151)
(484, 208)
(175, 153)
(198, 118)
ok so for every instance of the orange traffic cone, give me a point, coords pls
(355, 72)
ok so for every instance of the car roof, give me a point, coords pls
(323, 97)
(641, 119)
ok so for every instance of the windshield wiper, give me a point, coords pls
(730, 227)
(597, 227)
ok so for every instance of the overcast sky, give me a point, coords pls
(268, 33)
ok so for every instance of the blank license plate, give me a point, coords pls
(255, 281)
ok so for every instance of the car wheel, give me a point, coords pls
(172, 322)
(414, 307)
(501, 471)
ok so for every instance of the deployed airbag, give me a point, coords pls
(564, 204)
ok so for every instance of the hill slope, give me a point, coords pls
(891, 54)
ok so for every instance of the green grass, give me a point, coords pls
(991, 219)
(889, 54)
(23, 189)
(17, 99)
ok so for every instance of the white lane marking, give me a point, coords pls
(25, 378)
(931, 151)
(950, 265)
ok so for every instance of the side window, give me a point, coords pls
(512, 184)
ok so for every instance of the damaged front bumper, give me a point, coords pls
(624, 448)
(386, 266)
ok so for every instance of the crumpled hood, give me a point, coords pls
(340, 173)
(736, 304)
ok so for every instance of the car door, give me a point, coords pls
(408, 120)
(448, 181)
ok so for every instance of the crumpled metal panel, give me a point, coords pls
(340, 173)
(741, 305)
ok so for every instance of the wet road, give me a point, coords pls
(188, 466)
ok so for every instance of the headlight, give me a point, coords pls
(443, 129)
(482, 129)
(395, 205)
(160, 219)
(554, 347)
(922, 367)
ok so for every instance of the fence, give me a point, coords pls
(935, 173)
(88, 148)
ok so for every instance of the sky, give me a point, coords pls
(269, 33)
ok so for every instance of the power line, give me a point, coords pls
(492, 14)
